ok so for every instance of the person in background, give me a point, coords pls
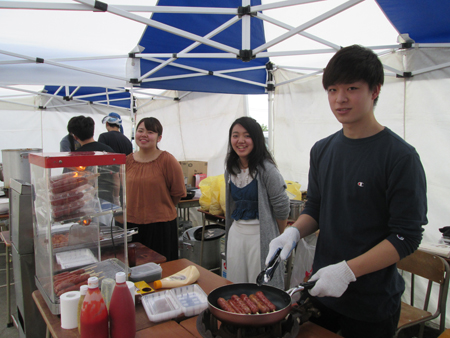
(367, 196)
(68, 143)
(257, 205)
(155, 185)
(115, 137)
(108, 182)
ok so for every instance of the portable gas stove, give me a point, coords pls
(208, 325)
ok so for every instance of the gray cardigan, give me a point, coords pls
(273, 204)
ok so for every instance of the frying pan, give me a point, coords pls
(281, 299)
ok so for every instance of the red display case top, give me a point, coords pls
(75, 159)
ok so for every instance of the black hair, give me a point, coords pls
(82, 127)
(113, 125)
(257, 155)
(153, 124)
(70, 130)
(351, 64)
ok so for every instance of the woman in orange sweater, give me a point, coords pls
(155, 185)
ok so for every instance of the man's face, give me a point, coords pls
(352, 103)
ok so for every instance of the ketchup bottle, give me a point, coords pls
(94, 315)
(121, 310)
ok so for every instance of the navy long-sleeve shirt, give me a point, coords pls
(361, 192)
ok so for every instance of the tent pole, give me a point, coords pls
(271, 92)
(270, 121)
(133, 117)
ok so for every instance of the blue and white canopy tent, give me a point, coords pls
(209, 54)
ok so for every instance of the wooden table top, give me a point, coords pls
(208, 281)
(167, 329)
(306, 330)
(186, 327)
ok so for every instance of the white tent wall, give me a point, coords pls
(28, 127)
(195, 128)
(415, 108)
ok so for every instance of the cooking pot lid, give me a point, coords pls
(211, 232)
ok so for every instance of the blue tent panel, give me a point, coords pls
(157, 41)
(424, 21)
(116, 99)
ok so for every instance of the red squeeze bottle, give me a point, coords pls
(121, 310)
(94, 315)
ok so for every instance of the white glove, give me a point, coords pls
(332, 280)
(287, 240)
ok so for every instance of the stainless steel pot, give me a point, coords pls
(16, 165)
(190, 244)
(296, 209)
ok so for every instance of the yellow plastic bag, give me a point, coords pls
(205, 189)
(223, 195)
(293, 190)
(215, 207)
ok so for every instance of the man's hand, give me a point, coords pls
(332, 280)
(287, 241)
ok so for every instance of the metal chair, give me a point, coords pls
(436, 270)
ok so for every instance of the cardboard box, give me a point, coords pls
(192, 168)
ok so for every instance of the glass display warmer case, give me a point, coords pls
(76, 198)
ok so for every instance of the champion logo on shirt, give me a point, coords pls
(361, 184)
(400, 237)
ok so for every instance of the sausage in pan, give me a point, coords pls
(261, 306)
(223, 304)
(241, 304)
(264, 299)
(250, 304)
(235, 306)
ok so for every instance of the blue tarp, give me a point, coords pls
(157, 41)
(424, 21)
(95, 94)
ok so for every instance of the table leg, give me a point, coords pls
(203, 236)
(9, 321)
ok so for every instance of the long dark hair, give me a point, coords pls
(153, 124)
(258, 155)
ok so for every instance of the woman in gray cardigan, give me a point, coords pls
(257, 205)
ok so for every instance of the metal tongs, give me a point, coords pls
(266, 275)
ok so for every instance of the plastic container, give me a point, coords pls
(192, 298)
(148, 272)
(161, 306)
(189, 300)
(94, 315)
(121, 310)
